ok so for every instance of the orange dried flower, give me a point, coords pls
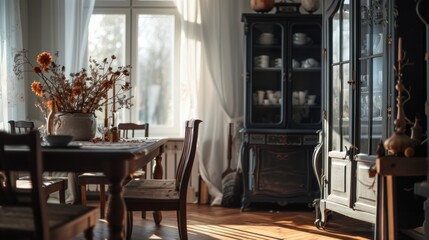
(37, 70)
(44, 59)
(37, 88)
(49, 104)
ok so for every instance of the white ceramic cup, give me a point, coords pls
(302, 96)
(295, 98)
(262, 61)
(261, 96)
(311, 99)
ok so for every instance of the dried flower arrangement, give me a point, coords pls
(83, 92)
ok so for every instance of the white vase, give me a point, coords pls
(310, 5)
(82, 126)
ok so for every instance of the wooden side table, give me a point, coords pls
(389, 167)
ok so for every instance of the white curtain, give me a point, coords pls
(212, 50)
(12, 90)
(66, 33)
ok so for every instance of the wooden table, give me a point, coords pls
(388, 168)
(114, 160)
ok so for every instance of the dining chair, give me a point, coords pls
(26, 214)
(50, 184)
(126, 130)
(165, 194)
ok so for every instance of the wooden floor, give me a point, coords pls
(264, 222)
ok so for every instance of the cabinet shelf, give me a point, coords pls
(311, 69)
(312, 46)
(270, 69)
(273, 105)
(260, 46)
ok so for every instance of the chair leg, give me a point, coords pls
(62, 196)
(157, 217)
(83, 195)
(129, 225)
(143, 214)
(89, 233)
(181, 224)
(102, 200)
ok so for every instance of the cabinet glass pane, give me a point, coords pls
(305, 73)
(371, 104)
(371, 26)
(340, 96)
(266, 56)
(372, 42)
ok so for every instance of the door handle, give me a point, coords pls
(350, 152)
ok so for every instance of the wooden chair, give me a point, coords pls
(165, 195)
(50, 184)
(100, 179)
(26, 214)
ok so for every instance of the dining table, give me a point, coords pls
(116, 160)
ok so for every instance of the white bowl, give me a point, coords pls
(299, 35)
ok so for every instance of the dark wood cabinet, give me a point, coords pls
(282, 107)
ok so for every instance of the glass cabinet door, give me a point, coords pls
(304, 74)
(370, 63)
(266, 74)
(357, 98)
(340, 95)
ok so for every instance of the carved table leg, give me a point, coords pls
(116, 210)
(157, 174)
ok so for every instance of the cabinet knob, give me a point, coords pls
(351, 82)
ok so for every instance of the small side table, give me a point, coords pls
(389, 167)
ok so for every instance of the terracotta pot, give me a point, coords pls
(82, 126)
(262, 5)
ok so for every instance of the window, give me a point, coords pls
(145, 35)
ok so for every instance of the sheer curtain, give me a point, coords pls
(12, 90)
(212, 50)
(66, 32)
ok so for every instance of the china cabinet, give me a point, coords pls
(360, 45)
(282, 107)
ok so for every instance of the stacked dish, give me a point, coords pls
(301, 39)
(266, 38)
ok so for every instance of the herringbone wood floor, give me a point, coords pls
(291, 222)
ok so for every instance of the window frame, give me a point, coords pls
(131, 9)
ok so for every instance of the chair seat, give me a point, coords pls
(50, 185)
(139, 193)
(151, 183)
(25, 183)
(18, 221)
(92, 178)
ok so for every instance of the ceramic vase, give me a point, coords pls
(82, 126)
(310, 5)
(262, 5)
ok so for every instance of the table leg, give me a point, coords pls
(380, 228)
(391, 212)
(116, 210)
(157, 174)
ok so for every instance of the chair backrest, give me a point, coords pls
(125, 128)
(30, 160)
(184, 169)
(19, 127)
